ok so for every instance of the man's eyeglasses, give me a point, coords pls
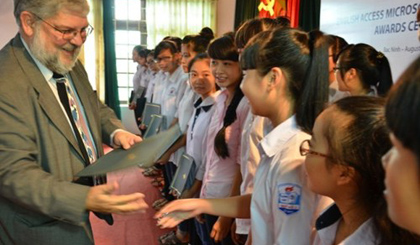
(70, 34)
(304, 150)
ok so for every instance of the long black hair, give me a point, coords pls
(224, 48)
(360, 140)
(372, 66)
(402, 108)
(304, 59)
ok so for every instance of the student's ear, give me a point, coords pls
(352, 74)
(276, 78)
(346, 174)
(27, 21)
(177, 56)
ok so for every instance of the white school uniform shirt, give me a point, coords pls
(159, 82)
(197, 130)
(141, 74)
(255, 127)
(219, 172)
(184, 113)
(325, 235)
(283, 209)
(151, 86)
(186, 106)
(172, 95)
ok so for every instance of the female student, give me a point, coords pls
(253, 130)
(336, 45)
(401, 163)
(291, 91)
(362, 70)
(343, 161)
(222, 143)
(203, 83)
(190, 47)
(222, 172)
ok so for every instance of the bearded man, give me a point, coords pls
(52, 126)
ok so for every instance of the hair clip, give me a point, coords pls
(380, 55)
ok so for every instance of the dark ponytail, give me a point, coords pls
(314, 94)
(385, 75)
(224, 48)
(304, 59)
(372, 66)
(220, 145)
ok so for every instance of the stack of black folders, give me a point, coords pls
(143, 154)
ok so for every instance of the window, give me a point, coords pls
(130, 30)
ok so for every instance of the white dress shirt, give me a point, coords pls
(197, 129)
(283, 209)
(325, 235)
(174, 86)
(252, 133)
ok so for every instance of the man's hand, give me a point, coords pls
(101, 199)
(126, 139)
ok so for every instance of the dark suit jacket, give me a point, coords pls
(39, 155)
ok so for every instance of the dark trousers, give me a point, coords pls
(169, 170)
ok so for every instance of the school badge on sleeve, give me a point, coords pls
(289, 196)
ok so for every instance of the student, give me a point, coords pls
(253, 131)
(362, 70)
(153, 76)
(202, 83)
(140, 78)
(224, 132)
(190, 47)
(401, 163)
(167, 57)
(343, 161)
(336, 45)
(290, 90)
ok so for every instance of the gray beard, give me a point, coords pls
(51, 60)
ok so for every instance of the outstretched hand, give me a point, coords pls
(101, 199)
(177, 211)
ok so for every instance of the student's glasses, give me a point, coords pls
(337, 68)
(164, 59)
(304, 150)
(71, 33)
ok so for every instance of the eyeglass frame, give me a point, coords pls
(305, 152)
(164, 59)
(337, 68)
(87, 30)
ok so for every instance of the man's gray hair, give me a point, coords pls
(48, 8)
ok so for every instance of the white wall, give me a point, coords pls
(8, 24)
(225, 16)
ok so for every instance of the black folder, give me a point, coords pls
(154, 126)
(149, 110)
(143, 154)
(185, 174)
